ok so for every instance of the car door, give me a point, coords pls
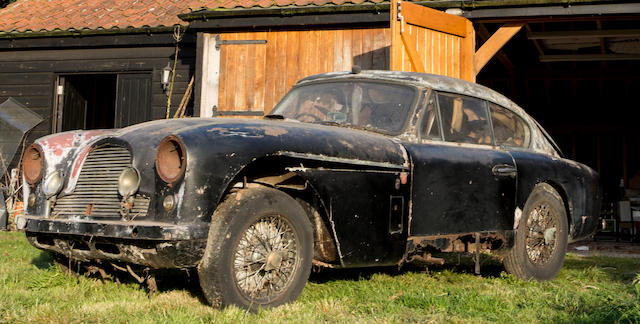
(462, 182)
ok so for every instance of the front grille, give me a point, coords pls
(96, 192)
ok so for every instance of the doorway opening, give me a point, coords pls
(86, 101)
(93, 101)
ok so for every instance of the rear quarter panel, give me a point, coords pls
(578, 184)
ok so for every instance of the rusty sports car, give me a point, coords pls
(350, 169)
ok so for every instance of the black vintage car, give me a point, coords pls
(351, 169)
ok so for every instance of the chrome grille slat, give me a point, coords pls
(97, 185)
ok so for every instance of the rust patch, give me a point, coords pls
(89, 209)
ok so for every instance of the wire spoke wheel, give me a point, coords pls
(541, 238)
(542, 234)
(266, 258)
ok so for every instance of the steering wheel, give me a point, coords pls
(313, 118)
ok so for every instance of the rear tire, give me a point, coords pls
(259, 250)
(541, 239)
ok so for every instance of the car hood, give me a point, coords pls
(234, 143)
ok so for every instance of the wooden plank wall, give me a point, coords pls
(29, 76)
(254, 77)
(440, 52)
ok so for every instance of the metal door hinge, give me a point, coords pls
(400, 17)
(220, 42)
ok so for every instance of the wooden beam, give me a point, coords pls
(494, 44)
(414, 57)
(589, 57)
(436, 20)
(535, 41)
(573, 34)
(554, 19)
(501, 55)
(603, 46)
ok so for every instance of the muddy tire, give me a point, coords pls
(541, 239)
(259, 250)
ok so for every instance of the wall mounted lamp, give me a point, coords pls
(165, 76)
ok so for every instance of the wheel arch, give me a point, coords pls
(566, 201)
(275, 172)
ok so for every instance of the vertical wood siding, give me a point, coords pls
(254, 77)
(444, 44)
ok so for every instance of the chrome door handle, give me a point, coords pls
(504, 170)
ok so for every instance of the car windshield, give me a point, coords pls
(372, 105)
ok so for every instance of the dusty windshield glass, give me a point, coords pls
(379, 106)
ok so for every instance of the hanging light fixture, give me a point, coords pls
(165, 76)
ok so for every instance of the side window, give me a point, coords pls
(508, 128)
(430, 128)
(464, 119)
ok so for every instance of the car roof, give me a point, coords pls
(433, 81)
(540, 141)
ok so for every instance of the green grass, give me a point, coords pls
(588, 289)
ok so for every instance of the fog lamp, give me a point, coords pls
(128, 182)
(168, 203)
(52, 184)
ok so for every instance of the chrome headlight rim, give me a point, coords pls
(130, 187)
(53, 184)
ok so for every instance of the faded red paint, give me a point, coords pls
(59, 142)
(81, 156)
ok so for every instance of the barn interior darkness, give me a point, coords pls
(579, 79)
(89, 101)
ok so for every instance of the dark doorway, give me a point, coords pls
(88, 101)
(92, 101)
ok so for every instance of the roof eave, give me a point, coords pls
(87, 32)
(207, 14)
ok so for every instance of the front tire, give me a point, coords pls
(541, 239)
(258, 252)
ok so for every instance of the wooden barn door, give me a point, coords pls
(133, 99)
(430, 41)
(251, 71)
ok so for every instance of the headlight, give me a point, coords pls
(32, 164)
(52, 184)
(128, 182)
(170, 159)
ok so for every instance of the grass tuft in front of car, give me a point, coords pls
(588, 289)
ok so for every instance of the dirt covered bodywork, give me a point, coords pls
(386, 167)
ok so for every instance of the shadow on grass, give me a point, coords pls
(166, 279)
(622, 270)
(490, 267)
(43, 261)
